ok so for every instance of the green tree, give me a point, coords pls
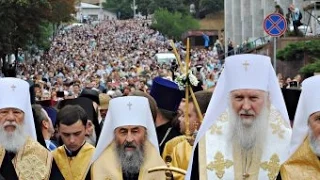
(297, 50)
(173, 24)
(145, 7)
(171, 5)
(303, 50)
(62, 11)
(311, 68)
(121, 7)
(20, 21)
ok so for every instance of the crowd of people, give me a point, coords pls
(106, 109)
(115, 57)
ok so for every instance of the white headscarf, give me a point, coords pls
(124, 111)
(14, 93)
(246, 71)
(307, 105)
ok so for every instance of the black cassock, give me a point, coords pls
(164, 134)
(8, 172)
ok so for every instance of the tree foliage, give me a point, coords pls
(173, 24)
(311, 68)
(171, 6)
(121, 7)
(26, 23)
(62, 10)
(299, 51)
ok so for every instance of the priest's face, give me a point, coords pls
(314, 132)
(72, 135)
(194, 121)
(10, 118)
(248, 103)
(130, 148)
(12, 134)
(130, 137)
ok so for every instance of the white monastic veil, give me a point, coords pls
(247, 71)
(308, 104)
(128, 110)
(15, 93)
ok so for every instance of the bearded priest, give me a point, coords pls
(128, 145)
(21, 156)
(304, 161)
(245, 133)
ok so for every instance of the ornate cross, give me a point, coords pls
(129, 105)
(219, 164)
(246, 64)
(13, 87)
(272, 166)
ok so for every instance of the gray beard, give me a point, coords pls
(249, 136)
(92, 139)
(130, 161)
(13, 141)
(314, 143)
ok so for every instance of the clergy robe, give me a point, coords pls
(181, 154)
(215, 149)
(303, 164)
(166, 132)
(74, 166)
(32, 161)
(170, 145)
(107, 166)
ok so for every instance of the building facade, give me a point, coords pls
(244, 18)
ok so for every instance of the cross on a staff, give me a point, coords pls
(129, 105)
(13, 87)
(246, 64)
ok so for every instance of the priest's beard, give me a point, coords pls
(131, 161)
(92, 139)
(314, 143)
(12, 141)
(249, 134)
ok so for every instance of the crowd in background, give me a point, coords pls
(115, 57)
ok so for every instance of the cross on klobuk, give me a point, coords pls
(246, 64)
(13, 87)
(129, 105)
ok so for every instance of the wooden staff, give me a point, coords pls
(177, 56)
(188, 88)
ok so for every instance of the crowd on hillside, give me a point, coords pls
(115, 57)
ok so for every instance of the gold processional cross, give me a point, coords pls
(129, 105)
(219, 164)
(246, 64)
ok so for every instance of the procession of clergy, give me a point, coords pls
(245, 132)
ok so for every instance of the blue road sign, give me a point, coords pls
(275, 24)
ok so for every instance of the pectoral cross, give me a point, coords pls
(13, 87)
(129, 105)
(246, 64)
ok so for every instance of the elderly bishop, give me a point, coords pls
(304, 161)
(21, 156)
(128, 145)
(245, 133)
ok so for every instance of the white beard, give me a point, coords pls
(314, 143)
(13, 141)
(249, 133)
(92, 139)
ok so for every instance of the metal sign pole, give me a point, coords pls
(275, 54)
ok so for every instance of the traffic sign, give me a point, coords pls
(275, 25)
